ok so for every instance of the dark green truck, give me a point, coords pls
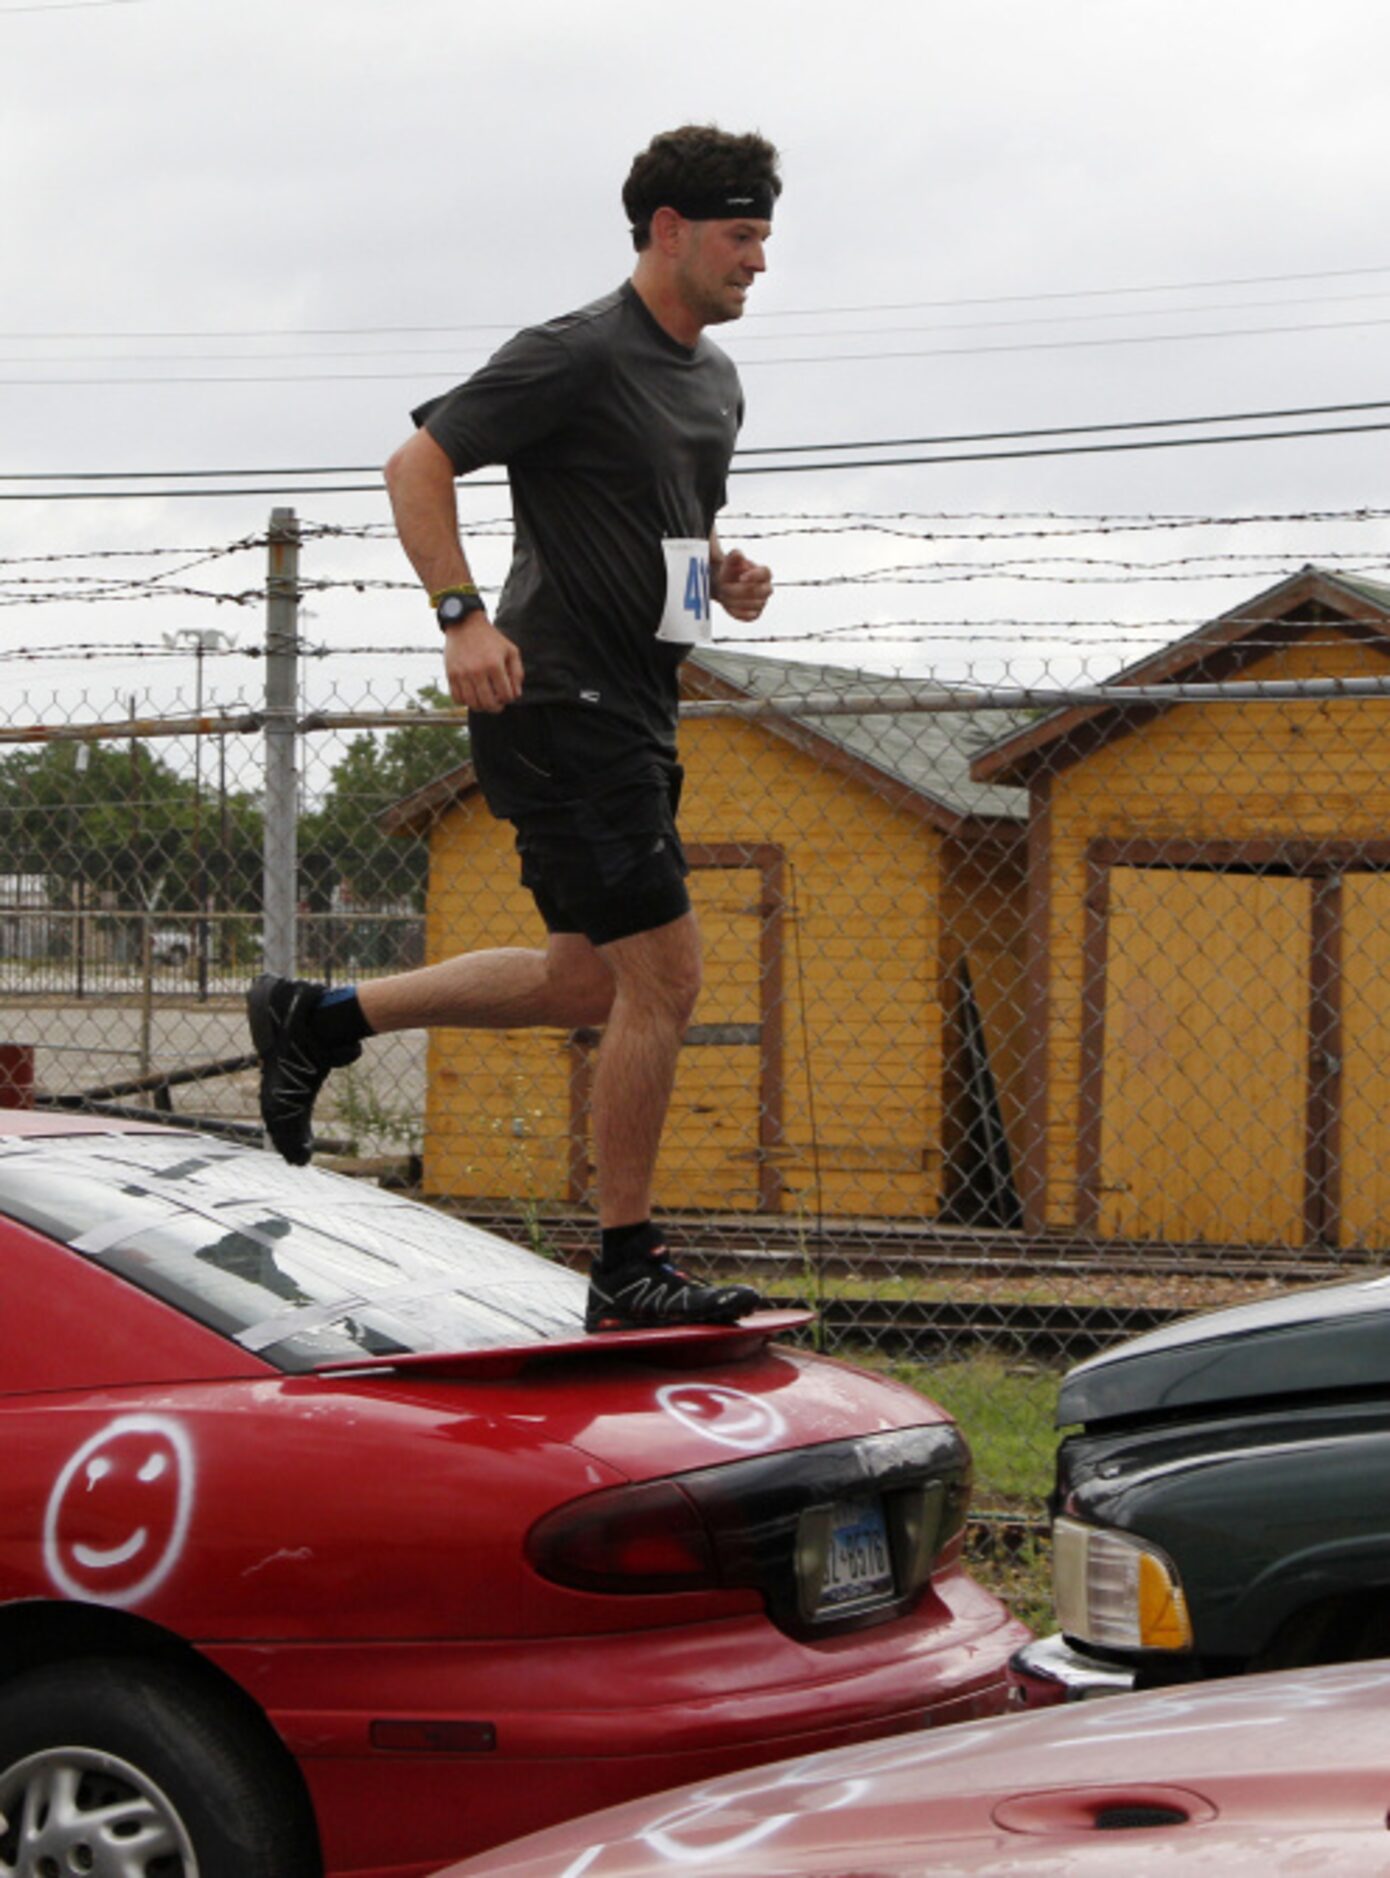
(1223, 1502)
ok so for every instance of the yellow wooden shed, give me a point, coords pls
(1207, 1013)
(860, 899)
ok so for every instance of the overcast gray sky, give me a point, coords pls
(339, 208)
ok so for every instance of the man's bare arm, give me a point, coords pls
(482, 666)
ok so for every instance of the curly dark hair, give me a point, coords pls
(696, 159)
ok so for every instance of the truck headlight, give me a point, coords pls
(1116, 1591)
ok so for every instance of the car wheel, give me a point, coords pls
(176, 955)
(125, 1769)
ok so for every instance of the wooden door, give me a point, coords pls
(1362, 1142)
(1205, 1061)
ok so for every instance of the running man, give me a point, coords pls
(616, 425)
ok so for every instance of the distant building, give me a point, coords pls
(31, 927)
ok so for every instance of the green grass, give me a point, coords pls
(1005, 1410)
(1020, 1575)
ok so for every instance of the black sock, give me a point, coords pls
(621, 1243)
(338, 1018)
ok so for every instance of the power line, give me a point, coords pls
(1084, 293)
(146, 379)
(1077, 449)
(737, 469)
(67, 6)
(1072, 430)
(771, 449)
(510, 326)
(773, 338)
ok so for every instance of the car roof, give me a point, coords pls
(36, 1123)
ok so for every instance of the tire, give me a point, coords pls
(126, 1769)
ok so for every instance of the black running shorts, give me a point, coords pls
(594, 807)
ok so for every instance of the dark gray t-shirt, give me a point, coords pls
(615, 437)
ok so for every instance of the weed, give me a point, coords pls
(368, 1116)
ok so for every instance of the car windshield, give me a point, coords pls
(296, 1264)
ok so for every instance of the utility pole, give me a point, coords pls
(281, 853)
(203, 639)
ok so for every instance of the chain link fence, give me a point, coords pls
(1035, 1013)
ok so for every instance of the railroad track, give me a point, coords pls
(1097, 1301)
(925, 1331)
(783, 1252)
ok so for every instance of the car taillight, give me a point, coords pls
(642, 1538)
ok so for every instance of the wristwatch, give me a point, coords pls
(457, 604)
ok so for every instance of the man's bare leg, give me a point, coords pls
(568, 984)
(657, 979)
(635, 1281)
(302, 1033)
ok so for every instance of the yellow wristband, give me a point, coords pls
(464, 587)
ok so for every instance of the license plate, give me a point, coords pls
(858, 1565)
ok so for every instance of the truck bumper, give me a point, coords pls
(1051, 1670)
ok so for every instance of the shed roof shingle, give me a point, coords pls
(930, 752)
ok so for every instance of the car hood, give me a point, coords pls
(1271, 1773)
(1302, 1343)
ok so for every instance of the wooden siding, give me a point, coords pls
(1195, 779)
(496, 1105)
(1362, 1146)
(861, 1046)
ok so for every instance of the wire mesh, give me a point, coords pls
(1041, 1004)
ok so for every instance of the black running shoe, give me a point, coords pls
(293, 1066)
(648, 1289)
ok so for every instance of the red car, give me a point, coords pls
(330, 1545)
(1267, 1774)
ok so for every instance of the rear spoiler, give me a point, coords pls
(694, 1346)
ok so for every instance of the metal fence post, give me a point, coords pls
(281, 770)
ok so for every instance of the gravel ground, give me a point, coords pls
(82, 1044)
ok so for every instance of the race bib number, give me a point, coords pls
(685, 619)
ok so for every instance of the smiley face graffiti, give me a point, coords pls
(118, 1515)
(728, 1416)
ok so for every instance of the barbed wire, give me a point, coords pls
(200, 555)
(1194, 570)
(894, 522)
(121, 649)
(1067, 637)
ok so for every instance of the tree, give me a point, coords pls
(121, 823)
(341, 843)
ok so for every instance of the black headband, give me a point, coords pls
(751, 200)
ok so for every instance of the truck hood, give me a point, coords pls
(1303, 1343)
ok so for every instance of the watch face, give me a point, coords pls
(457, 606)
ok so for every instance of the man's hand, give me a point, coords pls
(740, 586)
(482, 666)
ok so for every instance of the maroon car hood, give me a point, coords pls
(1276, 1773)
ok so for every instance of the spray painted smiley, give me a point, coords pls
(719, 1413)
(119, 1512)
